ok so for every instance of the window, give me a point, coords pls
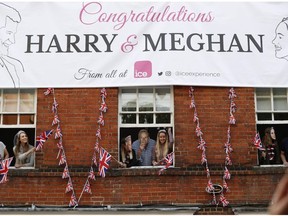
(149, 108)
(17, 112)
(272, 111)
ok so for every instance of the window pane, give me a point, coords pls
(146, 118)
(9, 119)
(128, 118)
(264, 104)
(280, 116)
(280, 104)
(26, 119)
(163, 118)
(128, 100)
(10, 100)
(145, 100)
(264, 116)
(280, 92)
(27, 100)
(163, 99)
(263, 91)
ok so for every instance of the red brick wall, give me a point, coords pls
(185, 184)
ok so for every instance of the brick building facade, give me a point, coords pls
(184, 183)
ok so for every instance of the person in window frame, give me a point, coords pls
(128, 155)
(144, 148)
(23, 151)
(270, 155)
(4, 154)
(284, 151)
(163, 146)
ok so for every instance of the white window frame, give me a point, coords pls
(272, 111)
(18, 112)
(148, 125)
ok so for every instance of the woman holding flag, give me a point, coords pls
(23, 151)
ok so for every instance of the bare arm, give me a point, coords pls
(279, 203)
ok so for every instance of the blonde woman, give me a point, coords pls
(164, 145)
(23, 151)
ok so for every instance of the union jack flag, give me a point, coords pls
(232, 93)
(233, 106)
(98, 133)
(198, 131)
(40, 140)
(210, 186)
(87, 188)
(223, 200)
(58, 132)
(4, 168)
(168, 160)
(94, 158)
(103, 93)
(73, 201)
(54, 106)
(103, 107)
(228, 148)
(91, 174)
(203, 158)
(62, 158)
(257, 142)
(225, 185)
(60, 146)
(65, 173)
(195, 118)
(228, 160)
(55, 120)
(101, 119)
(48, 91)
(69, 186)
(104, 162)
(232, 119)
(97, 147)
(202, 145)
(227, 174)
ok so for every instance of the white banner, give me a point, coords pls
(113, 44)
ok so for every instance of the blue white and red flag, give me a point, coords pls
(104, 162)
(40, 140)
(4, 168)
(257, 142)
(168, 160)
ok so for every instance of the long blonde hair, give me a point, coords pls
(160, 152)
(17, 142)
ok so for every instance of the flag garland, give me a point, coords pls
(61, 153)
(202, 145)
(104, 158)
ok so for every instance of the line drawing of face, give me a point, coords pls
(7, 36)
(281, 40)
(9, 20)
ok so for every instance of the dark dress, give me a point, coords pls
(132, 162)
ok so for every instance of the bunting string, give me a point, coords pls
(61, 156)
(202, 145)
